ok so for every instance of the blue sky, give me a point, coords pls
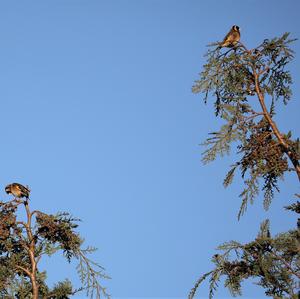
(98, 118)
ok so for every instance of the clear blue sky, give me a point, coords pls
(98, 118)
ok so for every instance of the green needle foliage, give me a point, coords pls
(246, 86)
(24, 243)
(235, 78)
(273, 262)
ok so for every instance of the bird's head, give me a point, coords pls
(236, 28)
(8, 189)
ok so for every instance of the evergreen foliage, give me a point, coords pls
(235, 78)
(274, 262)
(24, 243)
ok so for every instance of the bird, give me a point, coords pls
(232, 38)
(17, 190)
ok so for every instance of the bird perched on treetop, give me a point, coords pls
(17, 190)
(232, 37)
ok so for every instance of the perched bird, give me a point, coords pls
(17, 190)
(232, 37)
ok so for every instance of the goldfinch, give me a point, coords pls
(232, 37)
(17, 190)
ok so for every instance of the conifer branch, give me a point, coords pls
(266, 155)
(24, 242)
(273, 125)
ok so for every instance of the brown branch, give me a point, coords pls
(273, 125)
(23, 224)
(263, 70)
(26, 271)
(36, 212)
(31, 252)
(246, 118)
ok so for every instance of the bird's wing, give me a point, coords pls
(22, 188)
(228, 36)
